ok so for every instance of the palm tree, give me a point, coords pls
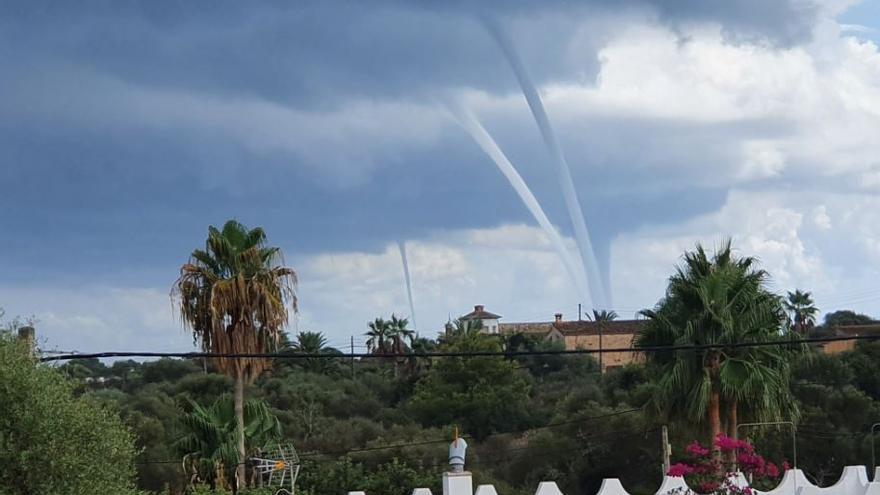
(208, 437)
(313, 343)
(310, 343)
(465, 327)
(802, 309)
(420, 345)
(400, 334)
(717, 301)
(379, 335)
(234, 296)
(602, 318)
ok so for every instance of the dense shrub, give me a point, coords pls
(52, 442)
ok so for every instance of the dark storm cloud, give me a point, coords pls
(313, 53)
(120, 201)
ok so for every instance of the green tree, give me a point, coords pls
(864, 362)
(378, 336)
(234, 296)
(718, 300)
(394, 477)
(400, 334)
(314, 343)
(86, 368)
(803, 311)
(846, 317)
(208, 438)
(481, 394)
(52, 441)
(458, 328)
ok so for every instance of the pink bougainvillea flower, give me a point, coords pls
(725, 443)
(746, 446)
(680, 470)
(696, 450)
(708, 486)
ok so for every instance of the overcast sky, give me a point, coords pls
(126, 128)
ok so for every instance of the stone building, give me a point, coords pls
(621, 334)
(582, 334)
(837, 347)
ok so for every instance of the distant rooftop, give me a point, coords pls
(575, 327)
(480, 313)
(592, 327)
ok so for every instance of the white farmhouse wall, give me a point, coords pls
(548, 488)
(672, 485)
(490, 490)
(792, 481)
(612, 486)
(490, 326)
(853, 481)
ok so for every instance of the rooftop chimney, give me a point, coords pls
(478, 308)
(558, 317)
(28, 336)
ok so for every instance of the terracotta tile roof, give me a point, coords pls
(480, 313)
(540, 328)
(575, 327)
(592, 327)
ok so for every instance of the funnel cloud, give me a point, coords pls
(469, 123)
(401, 246)
(582, 235)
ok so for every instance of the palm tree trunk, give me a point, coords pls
(395, 348)
(714, 404)
(715, 408)
(239, 420)
(715, 422)
(732, 422)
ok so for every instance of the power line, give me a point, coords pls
(309, 455)
(496, 434)
(446, 354)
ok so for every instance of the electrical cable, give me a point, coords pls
(443, 440)
(549, 352)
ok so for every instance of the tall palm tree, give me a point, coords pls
(420, 345)
(207, 437)
(313, 343)
(718, 300)
(467, 327)
(234, 296)
(378, 335)
(399, 334)
(602, 317)
(802, 309)
(310, 342)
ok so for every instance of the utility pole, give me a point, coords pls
(352, 357)
(579, 311)
(667, 449)
(873, 457)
